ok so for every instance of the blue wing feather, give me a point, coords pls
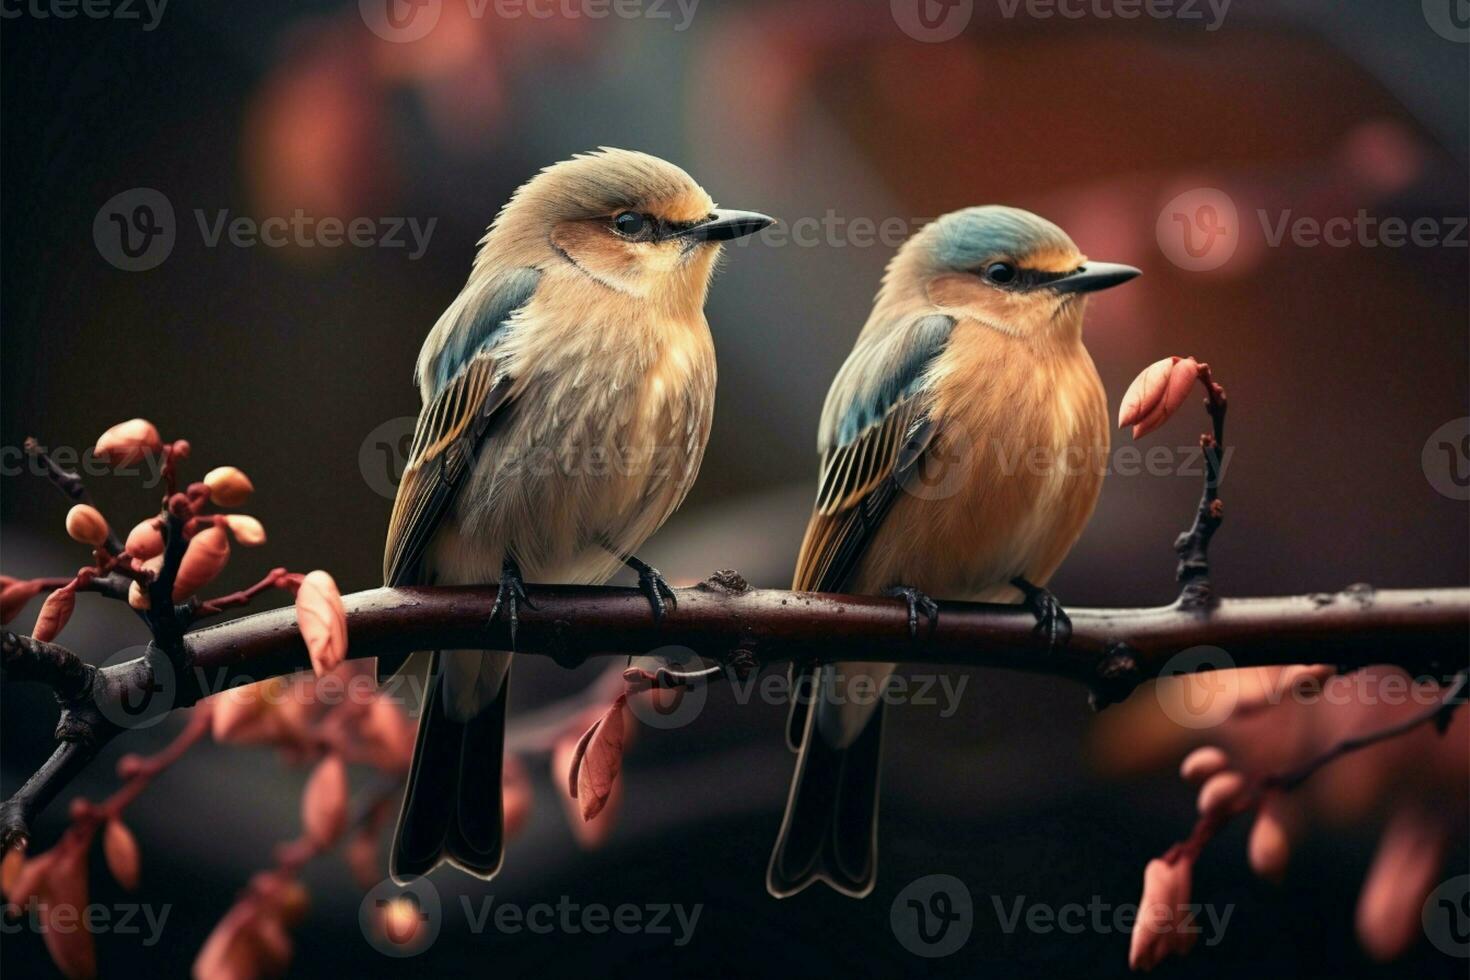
(889, 371)
(473, 322)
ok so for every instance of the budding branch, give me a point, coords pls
(742, 630)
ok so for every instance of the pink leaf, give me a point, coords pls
(55, 612)
(63, 899)
(590, 834)
(1406, 868)
(388, 736)
(145, 540)
(206, 557)
(15, 593)
(120, 849)
(324, 803)
(516, 796)
(128, 442)
(10, 870)
(1157, 393)
(239, 947)
(1161, 929)
(1270, 846)
(246, 529)
(361, 854)
(598, 760)
(322, 620)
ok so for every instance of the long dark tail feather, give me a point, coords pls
(801, 683)
(452, 807)
(831, 825)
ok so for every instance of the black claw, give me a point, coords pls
(916, 600)
(652, 584)
(1051, 619)
(511, 594)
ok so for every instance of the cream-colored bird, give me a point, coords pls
(962, 447)
(567, 398)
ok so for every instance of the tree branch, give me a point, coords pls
(1110, 653)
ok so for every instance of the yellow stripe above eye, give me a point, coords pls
(1054, 260)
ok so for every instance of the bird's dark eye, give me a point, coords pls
(1000, 273)
(630, 223)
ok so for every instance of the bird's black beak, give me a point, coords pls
(725, 226)
(1094, 276)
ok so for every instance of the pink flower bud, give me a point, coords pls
(1223, 794)
(55, 612)
(206, 557)
(145, 540)
(1203, 763)
(128, 442)
(86, 524)
(120, 849)
(322, 621)
(1270, 847)
(228, 487)
(246, 529)
(1157, 394)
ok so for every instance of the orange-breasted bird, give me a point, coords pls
(962, 445)
(567, 398)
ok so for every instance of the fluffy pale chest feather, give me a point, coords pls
(1011, 478)
(605, 434)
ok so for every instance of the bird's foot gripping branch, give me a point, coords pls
(168, 559)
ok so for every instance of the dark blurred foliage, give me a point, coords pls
(1340, 363)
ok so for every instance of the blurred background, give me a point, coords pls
(1192, 145)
